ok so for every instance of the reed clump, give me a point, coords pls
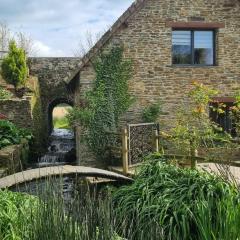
(179, 204)
(163, 203)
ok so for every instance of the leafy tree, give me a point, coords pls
(14, 66)
(193, 128)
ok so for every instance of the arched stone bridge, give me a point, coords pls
(38, 173)
(52, 74)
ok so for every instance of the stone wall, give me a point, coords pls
(52, 73)
(18, 111)
(147, 40)
(26, 112)
(13, 158)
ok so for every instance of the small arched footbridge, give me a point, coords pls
(34, 174)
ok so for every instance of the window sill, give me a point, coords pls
(192, 66)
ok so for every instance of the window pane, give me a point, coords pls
(181, 44)
(203, 47)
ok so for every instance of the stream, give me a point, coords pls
(61, 149)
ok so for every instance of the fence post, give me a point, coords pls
(193, 155)
(125, 150)
(156, 140)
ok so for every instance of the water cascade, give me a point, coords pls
(61, 149)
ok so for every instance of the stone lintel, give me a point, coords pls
(195, 25)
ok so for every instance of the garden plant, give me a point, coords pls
(163, 203)
(14, 66)
(10, 134)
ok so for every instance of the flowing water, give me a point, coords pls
(61, 149)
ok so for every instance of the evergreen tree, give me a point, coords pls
(14, 66)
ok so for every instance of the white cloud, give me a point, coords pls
(59, 25)
(43, 50)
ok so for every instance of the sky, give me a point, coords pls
(57, 26)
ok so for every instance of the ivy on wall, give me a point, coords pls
(106, 102)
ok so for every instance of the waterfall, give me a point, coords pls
(61, 149)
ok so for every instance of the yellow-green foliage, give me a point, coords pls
(4, 94)
(14, 66)
(61, 123)
(16, 210)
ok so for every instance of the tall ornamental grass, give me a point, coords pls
(179, 204)
(163, 203)
(16, 211)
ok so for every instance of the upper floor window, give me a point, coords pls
(193, 47)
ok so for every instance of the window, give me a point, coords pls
(224, 119)
(190, 47)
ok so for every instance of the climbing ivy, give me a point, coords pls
(106, 102)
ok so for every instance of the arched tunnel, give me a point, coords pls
(51, 107)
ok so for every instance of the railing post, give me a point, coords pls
(156, 140)
(125, 150)
(193, 155)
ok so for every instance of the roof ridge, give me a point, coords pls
(107, 35)
(135, 6)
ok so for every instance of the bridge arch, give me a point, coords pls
(38, 173)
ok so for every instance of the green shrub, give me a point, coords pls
(151, 113)
(10, 134)
(176, 202)
(16, 210)
(87, 216)
(163, 203)
(5, 94)
(14, 66)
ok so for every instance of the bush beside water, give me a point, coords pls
(164, 202)
(10, 134)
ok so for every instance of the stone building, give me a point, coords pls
(172, 43)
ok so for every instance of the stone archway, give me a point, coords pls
(51, 106)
